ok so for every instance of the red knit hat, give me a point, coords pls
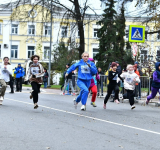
(113, 64)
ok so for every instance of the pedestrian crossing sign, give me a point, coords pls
(137, 33)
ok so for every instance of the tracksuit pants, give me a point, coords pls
(154, 93)
(84, 86)
(111, 88)
(130, 96)
(36, 90)
(94, 91)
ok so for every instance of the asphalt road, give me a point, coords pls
(57, 125)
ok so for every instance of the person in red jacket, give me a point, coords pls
(137, 72)
(93, 87)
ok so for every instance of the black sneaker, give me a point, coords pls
(102, 94)
(97, 94)
(36, 106)
(11, 92)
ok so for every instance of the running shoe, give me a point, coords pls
(1, 98)
(73, 94)
(35, 106)
(75, 103)
(83, 107)
(147, 101)
(133, 106)
(102, 94)
(116, 101)
(104, 106)
(97, 94)
(93, 104)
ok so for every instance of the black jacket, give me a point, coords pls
(45, 77)
(119, 70)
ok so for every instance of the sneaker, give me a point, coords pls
(147, 101)
(73, 94)
(102, 94)
(116, 101)
(133, 106)
(1, 102)
(97, 94)
(93, 104)
(75, 103)
(36, 106)
(83, 107)
(31, 96)
(11, 92)
(1, 98)
(104, 106)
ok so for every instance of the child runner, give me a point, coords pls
(35, 76)
(93, 87)
(155, 87)
(130, 80)
(6, 71)
(113, 85)
(86, 69)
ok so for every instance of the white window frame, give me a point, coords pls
(31, 23)
(47, 30)
(94, 46)
(142, 55)
(95, 32)
(95, 52)
(27, 49)
(67, 31)
(14, 29)
(48, 50)
(16, 43)
(14, 52)
(94, 26)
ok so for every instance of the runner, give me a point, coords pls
(93, 86)
(5, 72)
(155, 87)
(113, 85)
(35, 75)
(130, 80)
(86, 69)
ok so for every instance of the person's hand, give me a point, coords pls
(5, 67)
(134, 79)
(66, 74)
(34, 76)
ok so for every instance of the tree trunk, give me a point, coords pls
(79, 21)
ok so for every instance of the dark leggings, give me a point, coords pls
(130, 96)
(19, 84)
(36, 90)
(109, 92)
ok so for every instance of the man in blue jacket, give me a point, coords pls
(86, 69)
(19, 74)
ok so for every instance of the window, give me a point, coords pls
(95, 32)
(14, 51)
(95, 51)
(127, 32)
(0, 51)
(146, 35)
(47, 30)
(30, 51)
(46, 52)
(14, 29)
(0, 28)
(31, 29)
(143, 55)
(64, 31)
(158, 36)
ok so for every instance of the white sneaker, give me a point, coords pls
(1, 98)
(83, 107)
(133, 106)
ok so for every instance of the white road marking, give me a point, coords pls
(110, 122)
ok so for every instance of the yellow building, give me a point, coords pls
(23, 32)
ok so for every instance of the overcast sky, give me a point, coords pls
(131, 10)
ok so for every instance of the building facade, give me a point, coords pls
(24, 33)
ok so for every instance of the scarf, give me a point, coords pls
(35, 64)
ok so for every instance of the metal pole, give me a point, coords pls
(11, 36)
(50, 48)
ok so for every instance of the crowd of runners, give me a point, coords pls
(88, 75)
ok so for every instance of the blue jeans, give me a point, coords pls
(45, 84)
(84, 86)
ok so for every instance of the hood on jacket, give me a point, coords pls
(19, 64)
(136, 62)
(157, 66)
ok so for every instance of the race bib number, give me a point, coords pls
(85, 69)
(35, 70)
